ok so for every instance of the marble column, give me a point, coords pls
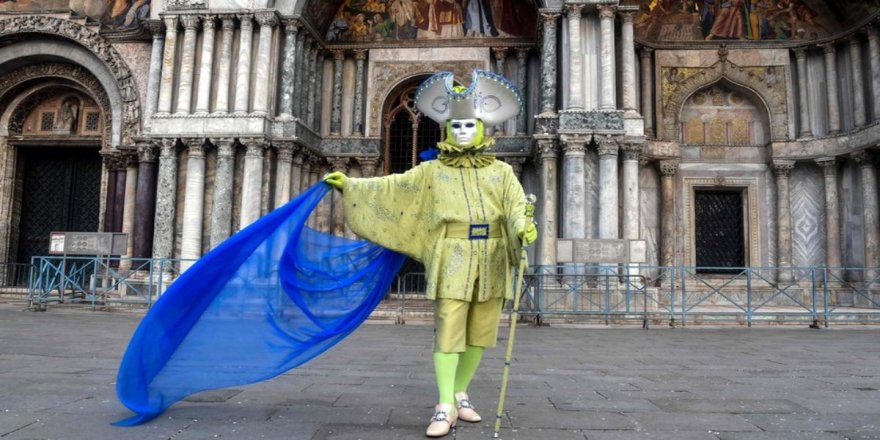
(252, 182)
(668, 168)
(500, 58)
(282, 173)
(575, 58)
(628, 52)
(243, 71)
(267, 21)
(166, 200)
(288, 68)
(206, 66)
(314, 84)
(336, 116)
(522, 54)
(547, 233)
(548, 61)
(221, 209)
(831, 87)
(145, 200)
(338, 215)
(647, 90)
(158, 30)
(803, 95)
(369, 166)
(224, 69)
(166, 85)
(858, 81)
(128, 207)
(266, 190)
(574, 188)
(870, 215)
(296, 174)
(187, 62)
(193, 203)
(318, 111)
(874, 55)
(832, 215)
(305, 173)
(606, 58)
(300, 68)
(608, 188)
(358, 114)
(303, 87)
(783, 168)
(631, 156)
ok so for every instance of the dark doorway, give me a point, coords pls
(60, 192)
(719, 230)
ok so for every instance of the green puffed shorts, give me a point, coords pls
(459, 323)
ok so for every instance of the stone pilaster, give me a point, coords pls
(871, 214)
(608, 187)
(783, 168)
(547, 233)
(874, 55)
(548, 61)
(318, 92)
(243, 71)
(521, 68)
(128, 207)
(575, 57)
(308, 44)
(647, 77)
(631, 156)
(832, 214)
(193, 203)
(314, 84)
(221, 209)
(166, 200)
(803, 97)
(858, 81)
(668, 169)
(298, 80)
(288, 68)
(282, 173)
(224, 69)
(628, 52)
(203, 97)
(158, 30)
(267, 21)
(336, 115)
(170, 54)
(574, 190)
(831, 87)
(187, 62)
(606, 58)
(252, 182)
(358, 116)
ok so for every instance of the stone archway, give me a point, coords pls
(117, 81)
(765, 83)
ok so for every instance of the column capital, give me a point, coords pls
(338, 54)
(549, 16)
(146, 151)
(225, 147)
(209, 22)
(130, 159)
(574, 10)
(285, 150)
(862, 157)
(297, 157)
(227, 22)
(547, 149)
(800, 52)
(645, 53)
(195, 146)
(783, 167)
(157, 28)
(254, 146)
(359, 54)
(852, 39)
(669, 167)
(607, 146)
(340, 163)
(632, 151)
(247, 20)
(828, 165)
(627, 16)
(291, 26)
(606, 12)
(168, 147)
(500, 52)
(573, 145)
(266, 18)
(190, 22)
(369, 165)
(171, 22)
(828, 47)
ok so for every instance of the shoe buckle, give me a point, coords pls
(464, 403)
(440, 416)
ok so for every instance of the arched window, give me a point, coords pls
(406, 132)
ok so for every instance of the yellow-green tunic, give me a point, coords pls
(409, 212)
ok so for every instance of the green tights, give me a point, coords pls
(454, 372)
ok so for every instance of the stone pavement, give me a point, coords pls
(57, 375)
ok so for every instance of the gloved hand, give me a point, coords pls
(529, 234)
(336, 178)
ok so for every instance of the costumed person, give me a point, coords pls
(462, 216)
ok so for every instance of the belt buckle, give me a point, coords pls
(478, 232)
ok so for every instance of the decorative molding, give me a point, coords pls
(607, 146)
(668, 168)
(546, 124)
(782, 168)
(753, 214)
(591, 121)
(184, 5)
(351, 146)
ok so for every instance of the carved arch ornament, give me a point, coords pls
(767, 83)
(108, 55)
(76, 74)
(392, 74)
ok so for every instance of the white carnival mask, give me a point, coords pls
(464, 131)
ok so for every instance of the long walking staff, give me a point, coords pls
(523, 265)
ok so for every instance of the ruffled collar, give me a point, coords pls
(466, 157)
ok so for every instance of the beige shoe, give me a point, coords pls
(443, 420)
(465, 409)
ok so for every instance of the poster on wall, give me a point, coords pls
(112, 14)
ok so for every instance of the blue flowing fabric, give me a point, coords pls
(268, 299)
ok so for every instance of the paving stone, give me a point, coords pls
(815, 422)
(780, 436)
(662, 421)
(728, 406)
(650, 435)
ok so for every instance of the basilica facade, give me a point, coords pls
(724, 134)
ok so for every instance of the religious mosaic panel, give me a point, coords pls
(717, 115)
(379, 20)
(755, 20)
(113, 14)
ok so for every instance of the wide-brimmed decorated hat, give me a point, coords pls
(490, 98)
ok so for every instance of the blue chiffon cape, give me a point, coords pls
(268, 299)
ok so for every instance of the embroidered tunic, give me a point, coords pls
(409, 213)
